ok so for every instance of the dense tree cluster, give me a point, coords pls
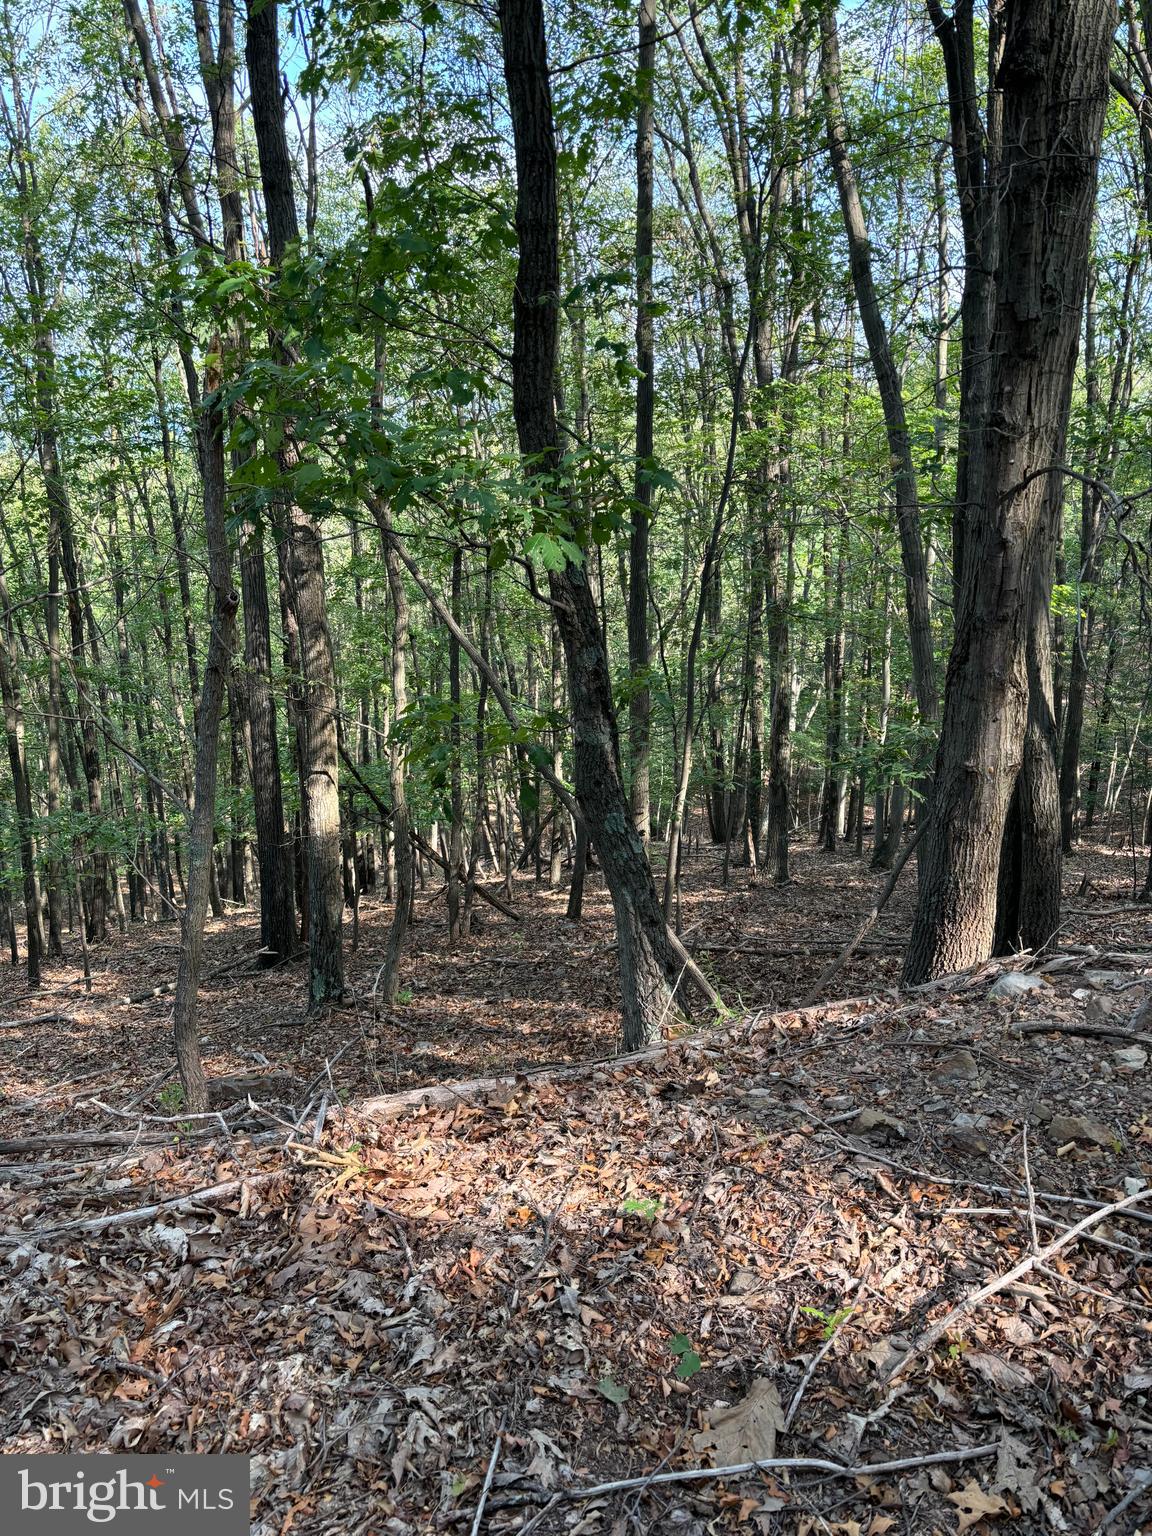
(472, 437)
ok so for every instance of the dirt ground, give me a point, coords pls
(731, 1251)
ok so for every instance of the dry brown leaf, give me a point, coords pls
(747, 1431)
(974, 1504)
(1006, 1375)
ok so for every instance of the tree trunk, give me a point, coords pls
(319, 751)
(1054, 78)
(225, 601)
(640, 698)
(401, 826)
(888, 380)
(645, 966)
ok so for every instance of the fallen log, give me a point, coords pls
(40, 1018)
(480, 1090)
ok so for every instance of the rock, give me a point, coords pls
(1097, 1010)
(1104, 981)
(1015, 984)
(876, 1120)
(839, 1101)
(257, 1085)
(965, 1122)
(1133, 1186)
(1133, 1058)
(968, 1143)
(956, 1067)
(1065, 1128)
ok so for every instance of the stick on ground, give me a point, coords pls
(930, 1335)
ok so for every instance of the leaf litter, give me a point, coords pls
(383, 1310)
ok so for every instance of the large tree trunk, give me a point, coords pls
(1054, 79)
(645, 967)
(316, 723)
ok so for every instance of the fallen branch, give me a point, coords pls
(425, 847)
(391, 1106)
(487, 1488)
(870, 921)
(177, 1206)
(784, 951)
(930, 1335)
(170, 986)
(1142, 1484)
(782, 1464)
(40, 1018)
(1082, 1027)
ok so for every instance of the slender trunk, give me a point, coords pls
(645, 962)
(224, 602)
(888, 380)
(639, 659)
(401, 826)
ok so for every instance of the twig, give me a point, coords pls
(1142, 1486)
(813, 1366)
(938, 1329)
(785, 1463)
(1092, 1290)
(329, 1063)
(1031, 1193)
(540, 1516)
(1104, 1031)
(487, 1488)
(869, 922)
(180, 1205)
(1127, 1249)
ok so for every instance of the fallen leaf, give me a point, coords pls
(747, 1431)
(974, 1504)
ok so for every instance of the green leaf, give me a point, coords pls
(689, 1365)
(612, 1390)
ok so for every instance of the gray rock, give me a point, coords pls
(876, 1120)
(1016, 984)
(1065, 1128)
(966, 1122)
(956, 1067)
(1133, 1058)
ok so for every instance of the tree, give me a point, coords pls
(645, 965)
(1053, 76)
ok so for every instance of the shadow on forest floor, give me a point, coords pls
(583, 1270)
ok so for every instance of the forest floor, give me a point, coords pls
(464, 1316)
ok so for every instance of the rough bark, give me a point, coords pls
(316, 717)
(1054, 81)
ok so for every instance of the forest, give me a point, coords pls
(576, 815)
